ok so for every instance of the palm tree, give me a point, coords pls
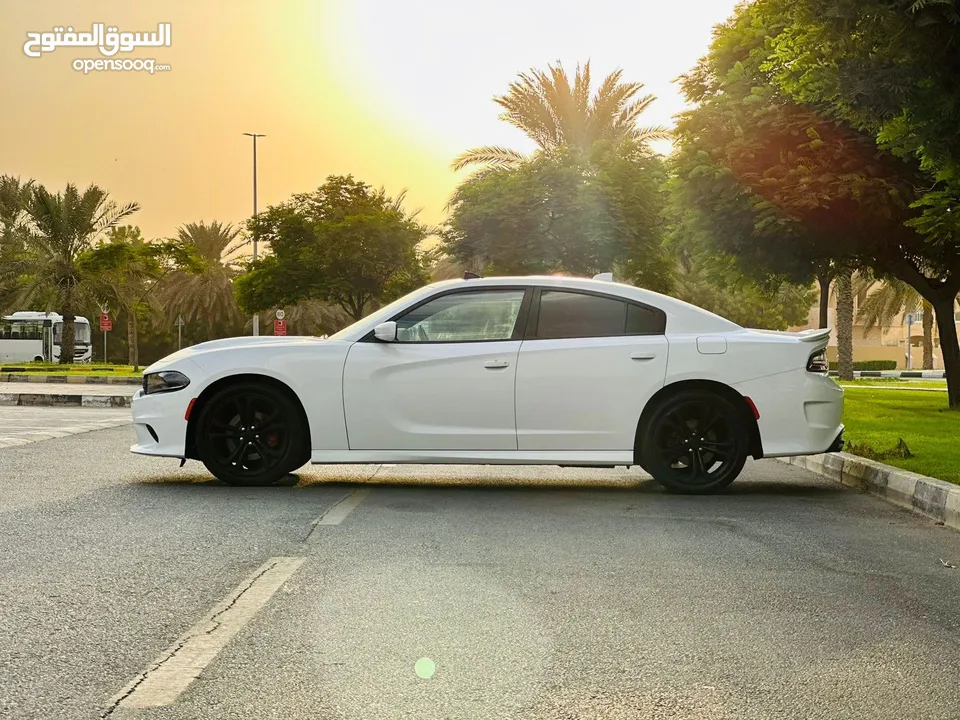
(845, 324)
(13, 215)
(889, 300)
(205, 299)
(554, 114)
(14, 195)
(59, 228)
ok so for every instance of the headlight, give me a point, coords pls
(164, 381)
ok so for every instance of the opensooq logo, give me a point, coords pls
(108, 41)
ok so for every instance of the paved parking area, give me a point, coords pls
(133, 589)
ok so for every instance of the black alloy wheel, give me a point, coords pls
(250, 434)
(695, 443)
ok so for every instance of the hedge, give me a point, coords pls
(869, 365)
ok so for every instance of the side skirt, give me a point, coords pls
(472, 457)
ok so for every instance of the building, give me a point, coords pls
(888, 342)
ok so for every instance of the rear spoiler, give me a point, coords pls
(815, 335)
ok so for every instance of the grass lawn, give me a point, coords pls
(878, 419)
(80, 369)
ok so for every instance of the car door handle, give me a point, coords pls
(643, 356)
(495, 364)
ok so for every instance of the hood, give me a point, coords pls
(232, 343)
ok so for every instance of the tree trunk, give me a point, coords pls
(69, 332)
(845, 325)
(927, 335)
(133, 348)
(824, 281)
(949, 349)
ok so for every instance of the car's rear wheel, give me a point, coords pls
(695, 443)
(250, 434)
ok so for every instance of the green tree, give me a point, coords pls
(807, 176)
(125, 272)
(715, 281)
(60, 228)
(345, 243)
(565, 211)
(556, 113)
(889, 69)
(204, 297)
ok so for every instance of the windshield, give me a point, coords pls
(82, 336)
(380, 315)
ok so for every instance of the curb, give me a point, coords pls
(916, 374)
(936, 499)
(52, 400)
(70, 379)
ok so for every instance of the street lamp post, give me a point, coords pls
(256, 318)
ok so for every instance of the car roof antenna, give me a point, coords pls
(470, 276)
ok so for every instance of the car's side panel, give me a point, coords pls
(314, 371)
(431, 396)
(586, 394)
(800, 411)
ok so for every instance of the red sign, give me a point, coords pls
(105, 322)
(279, 327)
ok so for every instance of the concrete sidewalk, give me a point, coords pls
(64, 394)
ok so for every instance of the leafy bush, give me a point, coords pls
(869, 365)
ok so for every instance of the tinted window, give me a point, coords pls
(645, 321)
(463, 317)
(574, 315)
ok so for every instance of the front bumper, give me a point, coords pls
(159, 423)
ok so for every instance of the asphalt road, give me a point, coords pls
(516, 593)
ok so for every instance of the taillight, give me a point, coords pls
(818, 362)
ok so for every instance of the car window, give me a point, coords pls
(463, 317)
(645, 321)
(578, 315)
(574, 315)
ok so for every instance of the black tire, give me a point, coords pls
(251, 434)
(694, 443)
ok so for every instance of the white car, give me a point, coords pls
(514, 370)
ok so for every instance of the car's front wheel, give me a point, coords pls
(250, 434)
(694, 443)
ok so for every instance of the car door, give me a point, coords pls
(586, 368)
(447, 382)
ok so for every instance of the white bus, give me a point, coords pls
(29, 336)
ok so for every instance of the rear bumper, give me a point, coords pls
(837, 445)
(800, 413)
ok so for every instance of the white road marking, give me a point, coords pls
(173, 672)
(338, 513)
(26, 434)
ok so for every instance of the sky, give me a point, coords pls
(388, 92)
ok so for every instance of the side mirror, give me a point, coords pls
(387, 332)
